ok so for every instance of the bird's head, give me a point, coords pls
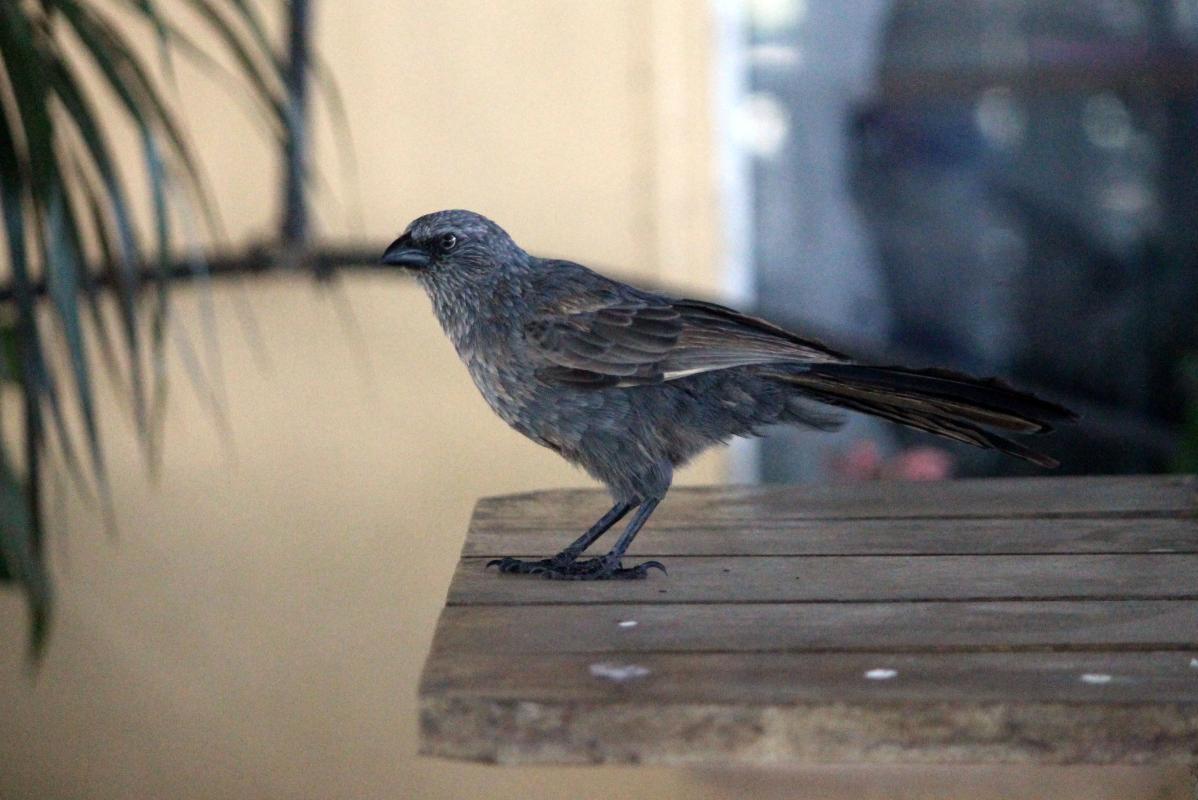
(453, 246)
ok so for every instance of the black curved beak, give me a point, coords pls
(401, 253)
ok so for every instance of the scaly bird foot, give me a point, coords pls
(591, 569)
(516, 566)
(603, 569)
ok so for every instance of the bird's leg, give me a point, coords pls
(567, 557)
(609, 567)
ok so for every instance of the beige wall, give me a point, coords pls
(581, 126)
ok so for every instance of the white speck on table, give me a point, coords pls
(1096, 678)
(618, 672)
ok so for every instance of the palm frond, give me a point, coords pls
(62, 197)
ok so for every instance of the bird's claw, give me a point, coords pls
(592, 569)
(516, 566)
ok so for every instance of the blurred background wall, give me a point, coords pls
(1003, 186)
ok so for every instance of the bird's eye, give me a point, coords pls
(447, 242)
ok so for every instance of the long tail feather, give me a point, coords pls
(942, 402)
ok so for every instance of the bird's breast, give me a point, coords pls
(487, 333)
(501, 380)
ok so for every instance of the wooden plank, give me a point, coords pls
(781, 678)
(522, 732)
(799, 627)
(1009, 498)
(854, 579)
(751, 537)
(1048, 621)
(787, 708)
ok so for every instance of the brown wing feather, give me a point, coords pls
(628, 340)
(715, 337)
(650, 339)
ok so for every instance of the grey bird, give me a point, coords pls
(630, 384)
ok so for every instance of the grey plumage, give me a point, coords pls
(629, 384)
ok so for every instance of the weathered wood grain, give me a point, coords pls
(1052, 621)
(854, 578)
(780, 678)
(785, 708)
(799, 627)
(751, 537)
(519, 732)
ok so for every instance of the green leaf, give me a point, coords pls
(20, 535)
(246, 58)
(62, 281)
(124, 257)
(128, 80)
(94, 208)
(10, 354)
(61, 192)
(172, 36)
(27, 68)
(119, 66)
(24, 65)
(20, 553)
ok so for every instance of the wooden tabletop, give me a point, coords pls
(1048, 620)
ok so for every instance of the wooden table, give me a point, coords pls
(1050, 620)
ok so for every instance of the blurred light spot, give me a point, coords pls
(1126, 197)
(775, 56)
(1185, 17)
(999, 117)
(1096, 678)
(1106, 122)
(762, 124)
(627, 623)
(776, 15)
(881, 674)
(618, 672)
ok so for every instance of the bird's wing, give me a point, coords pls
(714, 337)
(618, 339)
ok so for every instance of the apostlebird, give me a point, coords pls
(630, 384)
